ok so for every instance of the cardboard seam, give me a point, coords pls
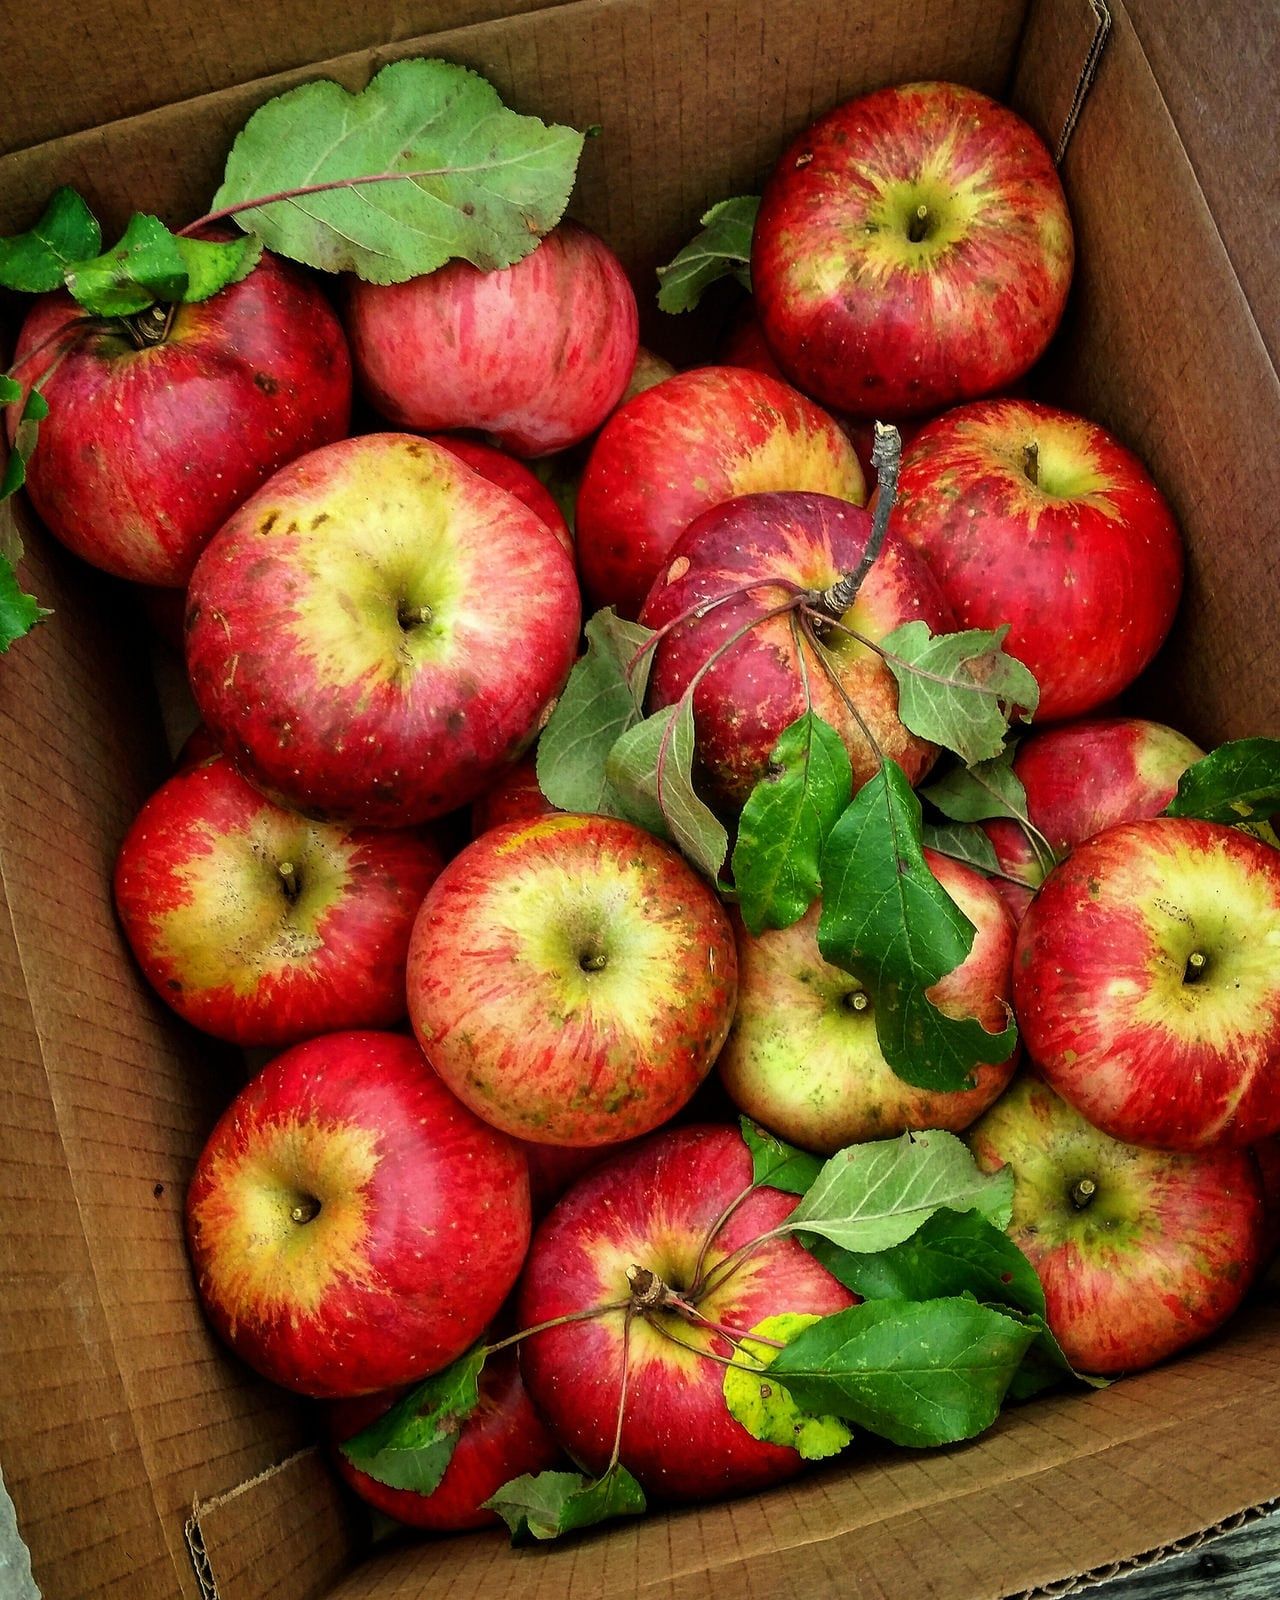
(396, 49)
(55, 1103)
(193, 1533)
(1148, 1558)
(1088, 72)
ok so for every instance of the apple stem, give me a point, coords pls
(1197, 961)
(412, 616)
(307, 1210)
(1082, 1192)
(288, 880)
(1031, 462)
(918, 227)
(886, 458)
(554, 1322)
(150, 327)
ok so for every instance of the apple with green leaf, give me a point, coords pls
(262, 927)
(1141, 1252)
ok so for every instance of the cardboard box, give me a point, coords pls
(143, 1462)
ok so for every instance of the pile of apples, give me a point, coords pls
(376, 630)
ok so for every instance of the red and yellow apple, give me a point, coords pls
(802, 1056)
(1140, 1252)
(259, 926)
(1147, 983)
(1038, 518)
(379, 632)
(913, 248)
(351, 1224)
(685, 446)
(571, 979)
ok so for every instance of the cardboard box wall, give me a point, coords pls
(143, 1462)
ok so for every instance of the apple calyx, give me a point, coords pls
(1083, 1190)
(1031, 462)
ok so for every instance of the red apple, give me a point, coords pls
(198, 746)
(1267, 1156)
(683, 447)
(571, 979)
(379, 632)
(649, 371)
(352, 1226)
(259, 926)
(1081, 778)
(503, 1438)
(512, 475)
(159, 426)
(1040, 519)
(802, 1057)
(913, 248)
(744, 346)
(1147, 983)
(654, 1208)
(514, 797)
(536, 356)
(759, 685)
(1140, 1252)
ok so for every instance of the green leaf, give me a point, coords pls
(779, 1165)
(952, 1253)
(650, 769)
(887, 920)
(212, 266)
(19, 612)
(468, 178)
(1045, 1365)
(598, 705)
(962, 841)
(767, 1410)
(543, 1505)
(989, 788)
(785, 824)
(959, 690)
(919, 1374)
(1238, 782)
(871, 1196)
(144, 267)
(409, 1446)
(721, 249)
(34, 411)
(35, 262)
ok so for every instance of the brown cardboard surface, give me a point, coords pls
(117, 1411)
(69, 67)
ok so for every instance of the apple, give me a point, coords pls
(1147, 983)
(802, 1056)
(912, 249)
(1038, 518)
(762, 683)
(260, 927)
(503, 1438)
(1140, 1252)
(351, 1225)
(679, 449)
(648, 371)
(654, 1208)
(512, 475)
(1083, 777)
(161, 424)
(571, 979)
(536, 356)
(379, 632)
(198, 746)
(514, 797)
(1267, 1156)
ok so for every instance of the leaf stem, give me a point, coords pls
(724, 1361)
(554, 1322)
(729, 1265)
(622, 1388)
(703, 608)
(824, 660)
(886, 458)
(211, 217)
(715, 1229)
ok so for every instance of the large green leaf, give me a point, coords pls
(468, 178)
(600, 702)
(887, 920)
(871, 1196)
(410, 1445)
(150, 265)
(920, 1374)
(721, 249)
(35, 262)
(1238, 782)
(777, 1164)
(785, 824)
(959, 690)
